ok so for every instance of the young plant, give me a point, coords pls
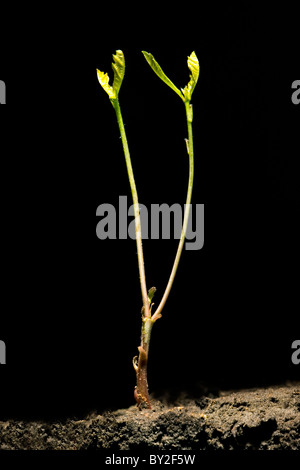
(148, 319)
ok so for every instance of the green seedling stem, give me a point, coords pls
(134, 193)
(190, 148)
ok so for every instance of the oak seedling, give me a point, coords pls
(148, 318)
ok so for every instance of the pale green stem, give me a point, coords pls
(116, 105)
(190, 146)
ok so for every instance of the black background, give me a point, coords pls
(70, 313)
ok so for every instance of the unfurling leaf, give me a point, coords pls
(104, 82)
(151, 293)
(157, 69)
(119, 72)
(193, 65)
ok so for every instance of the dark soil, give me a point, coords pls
(255, 419)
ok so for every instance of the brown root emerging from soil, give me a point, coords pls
(141, 394)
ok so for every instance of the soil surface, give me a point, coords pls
(255, 419)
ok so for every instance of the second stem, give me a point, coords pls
(190, 147)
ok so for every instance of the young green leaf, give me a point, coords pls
(157, 69)
(193, 65)
(151, 293)
(104, 82)
(119, 72)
